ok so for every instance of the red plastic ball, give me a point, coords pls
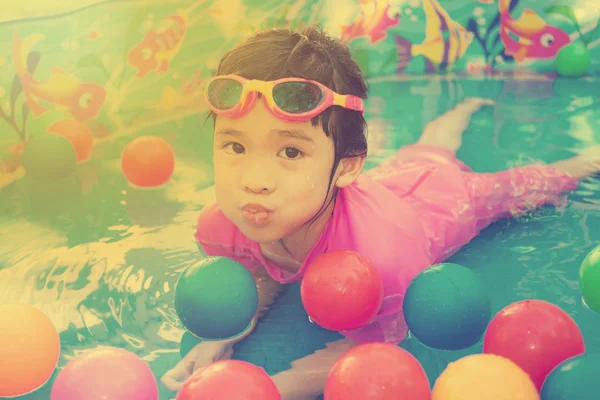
(341, 290)
(377, 371)
(148, 161)
(535, 335)
(229, 380)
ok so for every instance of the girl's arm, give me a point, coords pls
(306, 379)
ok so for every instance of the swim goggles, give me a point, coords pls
(290, 99)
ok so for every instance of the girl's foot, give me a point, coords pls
(446, 131)
(586, 163)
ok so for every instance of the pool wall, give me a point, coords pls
(99, 53)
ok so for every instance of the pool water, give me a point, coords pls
(101, 259)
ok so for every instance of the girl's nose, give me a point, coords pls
(258, 179)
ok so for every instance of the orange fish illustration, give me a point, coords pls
(80, 99)
(158, 47)
(372, 22)
(486, 1)
(446, 41)
(529, 36)
(12, 159)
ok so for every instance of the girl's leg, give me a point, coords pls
(446, 131)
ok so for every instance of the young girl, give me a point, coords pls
(289, 149)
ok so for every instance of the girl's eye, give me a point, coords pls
(235, 147)
(292, 153)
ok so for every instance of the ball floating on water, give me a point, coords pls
(589, 279)
(377, 371)
(49, 157)
(229, 380)
(573, 60)
(447, 307)
(78, 134)
(341, 290)
(535, 335)
(148, 161)
(105, 373)
(483, 376)
(216, 298)
(576, 378)
(29, 349)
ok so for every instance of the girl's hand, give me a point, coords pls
(201, 355)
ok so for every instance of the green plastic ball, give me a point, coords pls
(575, 378)
(49, 157)
(589, 279)
(216, 298)
(447, 307)
(573, 60)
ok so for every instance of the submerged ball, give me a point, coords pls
(447, 307)
(589, 279)
(49, 157)
(216, 298)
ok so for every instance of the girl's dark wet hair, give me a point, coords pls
(310, 54)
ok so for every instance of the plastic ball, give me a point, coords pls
(484, 376)
(229, 380)
(377, 371)
(589, 279)
(216, 298)
(78, 134)
(105, 373)
(148, 161)
(576, 378)
(49, 157)
(341, 291)
(534, 334)
(573, 60)
(447, 307)
(30, 349)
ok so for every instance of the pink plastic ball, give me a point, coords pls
(105, 373)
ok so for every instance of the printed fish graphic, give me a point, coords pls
(80, 99)
(158, 47)
(372, 22)
(529, 36)
(446, 41)
(486, 1)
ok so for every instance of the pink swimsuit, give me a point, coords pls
(414, 210)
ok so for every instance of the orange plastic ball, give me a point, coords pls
(78, 134)
(29, 349)
(484, 376)
(148, 161)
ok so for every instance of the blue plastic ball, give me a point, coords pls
(574, 379)
(447, 307)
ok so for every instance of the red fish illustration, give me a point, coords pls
(372, 22)
(80, 99)
(486, 1)
(529, 36)
(158, 47)
(446, 41)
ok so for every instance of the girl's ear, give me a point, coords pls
(349, 170)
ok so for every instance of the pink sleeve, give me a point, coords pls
(515, 191)
(218, 236)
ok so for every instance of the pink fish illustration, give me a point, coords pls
(372, 22)
(529, 36)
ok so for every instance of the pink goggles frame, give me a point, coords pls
(251, 88)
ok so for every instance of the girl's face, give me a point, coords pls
(271, 176)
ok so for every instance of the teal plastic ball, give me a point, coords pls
(49, 157)
(573, 60)
(216, 298)
(447, 307)
(575, 378)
